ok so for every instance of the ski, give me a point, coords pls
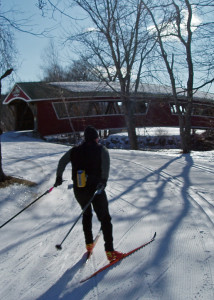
(117, 260)
(85, 258)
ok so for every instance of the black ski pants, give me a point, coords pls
(100, 206)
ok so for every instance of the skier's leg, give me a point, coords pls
(100, 205)
(83, 197)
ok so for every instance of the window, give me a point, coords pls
(203, 110)
(141, 107)
(86, 109)
(182, 108)
(80, 109)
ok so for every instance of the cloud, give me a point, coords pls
(91, 29)
(171, 30)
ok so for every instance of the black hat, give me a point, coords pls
(90, 134)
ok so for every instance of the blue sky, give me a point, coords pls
(30, 47)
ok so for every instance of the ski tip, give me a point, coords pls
(154, 235)
(58, 247)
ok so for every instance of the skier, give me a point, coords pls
(90, 170)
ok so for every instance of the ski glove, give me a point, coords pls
(58, 181)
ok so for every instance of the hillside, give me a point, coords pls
(163, 192)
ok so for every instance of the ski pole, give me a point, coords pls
(59, 246)
(48, 191)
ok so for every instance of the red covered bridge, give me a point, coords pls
(53, 108)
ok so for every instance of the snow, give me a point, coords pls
(159, 191)
(92, 86)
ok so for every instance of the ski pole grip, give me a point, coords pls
(50, 189)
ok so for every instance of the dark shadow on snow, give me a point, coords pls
(77, 291)
(165, 243)
(61, 288)
(58, 290)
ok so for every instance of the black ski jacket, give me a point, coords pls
(91, 157)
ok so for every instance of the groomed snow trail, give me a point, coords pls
(167, 192)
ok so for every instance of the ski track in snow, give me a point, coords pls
(147, 192)
(200, 200)
(205, 206)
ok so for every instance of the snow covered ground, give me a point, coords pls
(163, 192)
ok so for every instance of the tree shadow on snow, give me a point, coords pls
(151, 207)
(186, 184)
(156, 263)
(63, 290)
(60, 290)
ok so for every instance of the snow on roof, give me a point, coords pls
(36, 91)
(93, 86)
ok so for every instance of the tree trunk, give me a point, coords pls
(185, 133)
(2, 175)
(130, 122)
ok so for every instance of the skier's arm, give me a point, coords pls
(105, 167)
(64, 160)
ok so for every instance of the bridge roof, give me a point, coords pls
(40, 91)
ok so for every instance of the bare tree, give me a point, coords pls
(184, 33)
(7, 59)
(52, 69)
(117, 43)
(77, 70)
(8, 52)
(81, 70)
(10, 21)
